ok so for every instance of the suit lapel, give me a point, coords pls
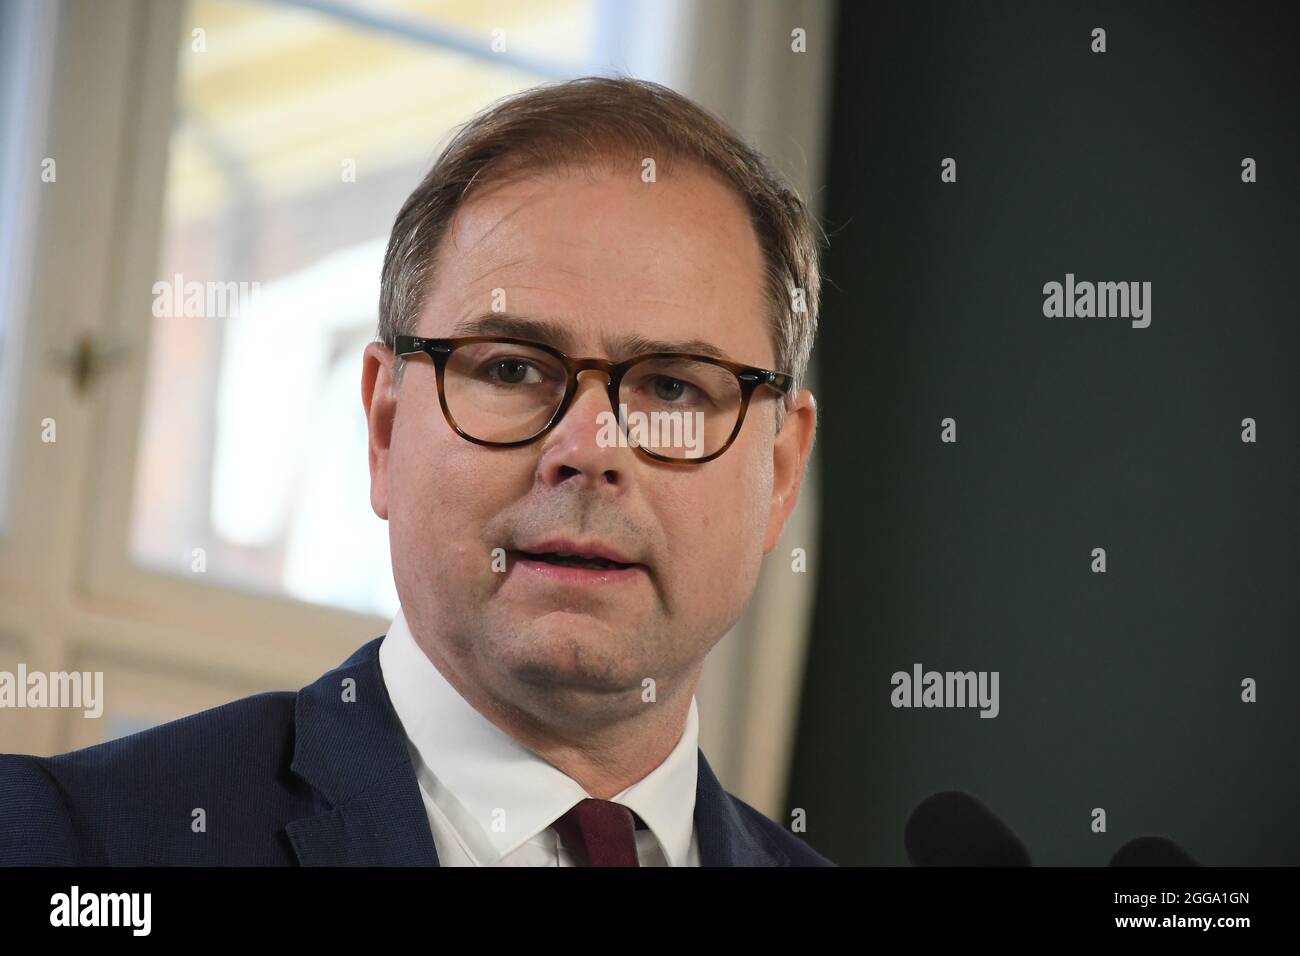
(350, 747)
(726, 838)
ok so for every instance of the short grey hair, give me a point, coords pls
(580, 123)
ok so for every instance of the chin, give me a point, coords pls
(559, 651)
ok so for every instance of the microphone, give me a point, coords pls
(1151, 851)
(952, 828)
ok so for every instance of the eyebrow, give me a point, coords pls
(560, 337)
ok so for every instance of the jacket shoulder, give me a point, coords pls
(783, 841)
(210, 787)
(35, 826)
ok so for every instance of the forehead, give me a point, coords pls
(606, 262)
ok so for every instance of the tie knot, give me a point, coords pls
(601, 831)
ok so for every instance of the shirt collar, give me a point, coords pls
(495, 792)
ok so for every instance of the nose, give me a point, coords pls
(578, 448)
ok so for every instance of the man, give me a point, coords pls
(585, 431)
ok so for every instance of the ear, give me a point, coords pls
(790, 453)
(381, 406)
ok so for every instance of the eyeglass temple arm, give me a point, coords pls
(781, 381)
(410, 344)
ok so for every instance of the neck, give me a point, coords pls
(605, 742)
(608, 760)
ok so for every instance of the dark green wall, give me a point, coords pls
(1118, 690)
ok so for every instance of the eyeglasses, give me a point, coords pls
(671, 406)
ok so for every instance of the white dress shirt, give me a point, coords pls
(492, 802)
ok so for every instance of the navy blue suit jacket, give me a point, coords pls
(283, 779)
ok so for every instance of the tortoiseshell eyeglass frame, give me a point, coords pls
(748, 377)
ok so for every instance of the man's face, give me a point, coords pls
(604, 256)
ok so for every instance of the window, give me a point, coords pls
(298, 133)
(26, 40)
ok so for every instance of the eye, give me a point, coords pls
(670, 389)
(512, 371)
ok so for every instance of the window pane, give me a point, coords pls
(297, 137)
(26, 38)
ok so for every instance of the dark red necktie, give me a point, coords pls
(602, 832)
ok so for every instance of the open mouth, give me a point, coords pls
(574, 560)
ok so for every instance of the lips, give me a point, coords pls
(575, 561)
(565, 553)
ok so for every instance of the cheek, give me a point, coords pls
(749, 485)
(440, 495)
(714, 525)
